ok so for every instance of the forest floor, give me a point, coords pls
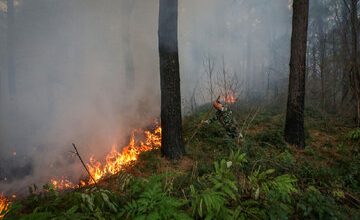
(262, 178)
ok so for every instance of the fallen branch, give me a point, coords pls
(77, 153)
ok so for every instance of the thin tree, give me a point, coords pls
(294, 124)
(172, 144)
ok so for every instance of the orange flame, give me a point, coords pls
(230, 97)
(4, 206)
(62, 183)
(115, 161)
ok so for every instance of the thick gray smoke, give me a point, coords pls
(87, 72)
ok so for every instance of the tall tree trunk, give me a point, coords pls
(172, 144)
(355, 73)
(322, 48)
(10, 48)
(334, 72)
(294, 125)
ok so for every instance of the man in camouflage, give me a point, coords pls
(224, 116)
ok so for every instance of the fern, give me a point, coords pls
(223, 179)
(216, 190)
(274, 192)
(209, 204)
(153, 203)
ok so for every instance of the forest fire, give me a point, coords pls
(230, 97)
(4, 205)
(115, 160)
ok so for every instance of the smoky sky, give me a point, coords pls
(87, 72)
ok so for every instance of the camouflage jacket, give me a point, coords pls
(224, 117)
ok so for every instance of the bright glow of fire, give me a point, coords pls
(115, 161)
(230, 97)
(4, 205)
(62, 183)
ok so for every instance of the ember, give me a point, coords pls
(4, 205)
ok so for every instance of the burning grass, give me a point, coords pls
(4, 205)
(115, 160)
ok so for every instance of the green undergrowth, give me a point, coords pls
(262, 178)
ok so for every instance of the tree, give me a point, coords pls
(172, 144)
(10, 47)
(354, 71)
(294, 124)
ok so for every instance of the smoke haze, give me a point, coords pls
(87, 72)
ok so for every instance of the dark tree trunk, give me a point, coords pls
(322, 48)
(172, 144)
(10, 48)
(355, 73)
(294, 125)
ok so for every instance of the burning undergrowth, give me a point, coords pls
(115, 161)
(4, 204)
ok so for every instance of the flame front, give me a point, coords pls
(4, 205)
(116, 161)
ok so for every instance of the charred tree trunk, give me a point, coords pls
(294, 125)
(10, 48)
(355, 73)
(172, 144)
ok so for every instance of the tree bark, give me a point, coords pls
(355, 73)
(10, 48)
(172, 144)
(322, 50)
(294, 125)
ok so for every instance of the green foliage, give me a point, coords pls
(315, 205)
(209, 204)
(272, 137)
(123, 180)
(286, 159)
(274, 191)
(270, 181)
(354, 135)
(151, 202)
(212, 194)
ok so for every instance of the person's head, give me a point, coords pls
(217, 105)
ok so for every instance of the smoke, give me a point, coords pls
(87, 72)
(72, 85)
(252, 37)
